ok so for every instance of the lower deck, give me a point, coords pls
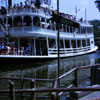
(10, 59)
(36, 46)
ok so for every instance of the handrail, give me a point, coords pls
(52, 90)
(26, 79)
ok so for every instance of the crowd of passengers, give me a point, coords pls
(9, 49)
(36, 6)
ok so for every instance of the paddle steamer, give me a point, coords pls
(29, 33)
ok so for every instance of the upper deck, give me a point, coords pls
(36, 22)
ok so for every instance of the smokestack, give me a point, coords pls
(9, 3)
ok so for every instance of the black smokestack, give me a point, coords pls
(9, 3)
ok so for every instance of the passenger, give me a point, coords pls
(21, 5)
(38, 4)
(26, 5)
(8, 50)
(32, 6)
(81, 20)
(15, 6)
(22, 50)
(46, 10)
(18, 7)
(27, 50)
(2, 49)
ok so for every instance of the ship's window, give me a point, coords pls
(67, 28)
(17, 21)
(70, 29)
(48, 21)
(36, 21)
(61, 44)
(67, 43)
(73, 43)
(43, 22)
(1, 22)
(64, 28)
(27, 21)
(52, 43)
(10, 21)
(84, 43)
(79, 43)
(88, 42)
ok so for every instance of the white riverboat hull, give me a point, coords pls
(16, 59)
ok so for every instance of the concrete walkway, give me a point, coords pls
(92, 96)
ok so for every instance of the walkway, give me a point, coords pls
(92, 96)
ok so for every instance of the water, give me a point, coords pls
(48, 70)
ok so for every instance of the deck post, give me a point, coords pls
(76, 78)
(58, 43)
(12, 92)
(19, 52)
(47, 45)
(81, 43)
(95, 72)
(22, 87)
(70, 44)
(92, 76)
(34, 47)
(33, 96)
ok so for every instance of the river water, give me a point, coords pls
(49, 70)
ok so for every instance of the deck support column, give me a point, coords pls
(22, 20)
(12, 21)
(56, 43)
(64, 43)
(81, 43)
(34, 47)
(70, 44)
(76, 43)
(40, 22)
(69, 29)
(18, 46)
(47, 45)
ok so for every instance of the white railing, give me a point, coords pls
(28, 10)
(69, 50)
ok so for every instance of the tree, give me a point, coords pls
(96, 26)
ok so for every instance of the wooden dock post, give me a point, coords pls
(76, 79)
(12, 92)
(92, 76)
(33, 96)
(95, 75)
(22, 87)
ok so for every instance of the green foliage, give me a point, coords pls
(96, 26)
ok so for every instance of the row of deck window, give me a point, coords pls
(43, 23)
(40, 46)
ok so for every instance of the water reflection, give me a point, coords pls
(49, 70)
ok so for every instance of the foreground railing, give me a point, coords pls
(55, 91)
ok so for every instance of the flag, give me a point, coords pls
(76, 10)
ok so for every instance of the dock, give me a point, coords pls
(55, 91)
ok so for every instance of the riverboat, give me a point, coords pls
(29, 34)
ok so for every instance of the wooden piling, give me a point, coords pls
(32, 86)
(92, 76)
(76, 78)
(12, 92)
